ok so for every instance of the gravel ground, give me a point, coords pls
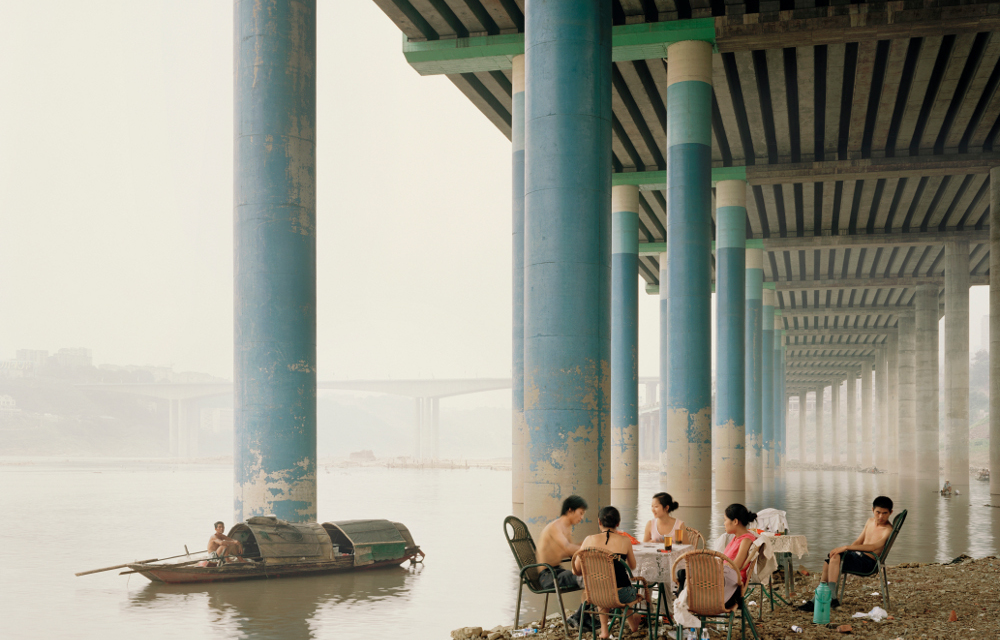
(923, 599)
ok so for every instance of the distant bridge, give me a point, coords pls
(185, 421)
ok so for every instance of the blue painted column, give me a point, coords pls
(275, 259)
(779, 463)
(728, 436)
(689, 244)
(753, 341)
(567, 256)
(518, 430)
(777, 392)
(664, 368)
(767, 388)
(625, 337)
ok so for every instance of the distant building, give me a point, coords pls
(16, 369)
(37, 357)
(217, 420)
(7, 403)
(78, 358)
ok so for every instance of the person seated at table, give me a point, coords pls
(736, 521)
(856, 555)
(662, 524)
(621, 550)
(556, 544)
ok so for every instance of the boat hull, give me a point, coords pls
(258, 570)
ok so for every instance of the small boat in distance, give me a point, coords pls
(273, 548)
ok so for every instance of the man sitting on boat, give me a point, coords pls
(220, 545)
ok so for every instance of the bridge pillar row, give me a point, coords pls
(907, 412)
(880, 438)
(927, 456)
(956, 362)
(518, 430)
(753, 337)
(728, 437)
(418, 420)
(803, 404)
(820, 450)
(174, 416)
(188, 426)
(567, 257)
(275, 261)
(689, 245)
(892, 396)
(624, 338)
(767, 386)
(776, 391)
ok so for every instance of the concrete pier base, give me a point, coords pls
(753, 373)
(625, 337)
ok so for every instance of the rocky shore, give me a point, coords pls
(960, 599)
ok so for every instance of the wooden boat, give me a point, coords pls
(274, 548)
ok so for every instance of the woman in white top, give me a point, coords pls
(662, 524)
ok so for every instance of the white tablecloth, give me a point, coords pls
(655, 566)
(787, 544)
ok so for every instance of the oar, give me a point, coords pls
(166, 566)
(121, 566)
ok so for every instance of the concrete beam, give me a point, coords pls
(657, 180)
(870, 283)
(871, 169)
(860, 331)
(850, 23)
(644, 41)
(915, 239)
(845, 311)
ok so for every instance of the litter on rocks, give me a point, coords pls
(877, 614)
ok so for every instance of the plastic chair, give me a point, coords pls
(694, 538)
(600, 589)
(897, 524)
(523, 548)
(706, 586)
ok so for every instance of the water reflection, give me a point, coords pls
(279, 609)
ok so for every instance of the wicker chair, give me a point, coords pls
(600, 589)
(523, 547)
(755, 580)
(694, 538)
(706, 588)
(897, 524)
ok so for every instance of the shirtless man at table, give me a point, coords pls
(556, 544)
(872, 539)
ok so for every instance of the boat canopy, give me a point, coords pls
(272, 538)
(370, 540)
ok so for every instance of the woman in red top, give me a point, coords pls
(737, 519)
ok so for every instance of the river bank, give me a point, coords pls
(923, 599)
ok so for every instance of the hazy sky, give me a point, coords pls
(116, 146)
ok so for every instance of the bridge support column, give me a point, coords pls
(275, 261)
(776, 392)
(661, 446)
(730, 268)
(866, 458)
(767, 387)
(820, 452)
(518, 431)
(753, 337)
(625, 338)
(995, 335)
(880, 443)
(567, 257)
(907, 398)
(927, 460)
(188, 424)
(956, 362)
(803, 408)
(852, 420)
(892, 394)
(835, 423)
(689, 242)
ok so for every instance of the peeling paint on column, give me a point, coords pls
(767, 386)
(275, 259)
(728, 435)
(567, 257)
(753, 359)
(624, 337)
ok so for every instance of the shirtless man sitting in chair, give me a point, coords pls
(872, 539)
(220, 545)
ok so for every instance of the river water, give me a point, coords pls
(64, 516)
